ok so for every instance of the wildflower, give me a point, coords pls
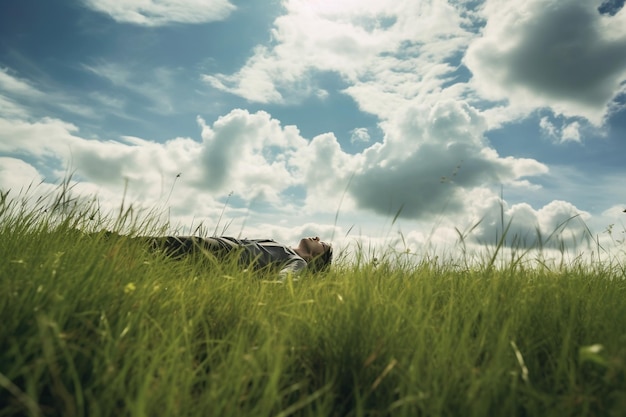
(129, 288)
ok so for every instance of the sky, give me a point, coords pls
(385, 124)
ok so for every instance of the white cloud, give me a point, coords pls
(255, 82)
(568, 132)
(46, 138)
(17, 175)
(326, 171)
(251, 155)
(387, 45)
(57, 145)
(248, 153)
(255, 157)
(571, 132)
(163, 12)
(17, 87)
(398, 60)
(394, 56)
(359, 135)
(548, 128)
(561, 54)
(556, 223)
(431, 160)
(10, 108)
(616, 212)
(14, 91)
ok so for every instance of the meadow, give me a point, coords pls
(95, 325)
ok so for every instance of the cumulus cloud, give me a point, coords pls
(326, 170)
(395, 58)
(568, 132)
(438, 155)
(106, 163)
(382, 42)
(563, 55)
(162, 12)
(400, 63)
(45, 138)
(571, 132)
(437, 169)
(553, 225)
(13, 171)
(359, 135)
(250, 153)
(548, 128)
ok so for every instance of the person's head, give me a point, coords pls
(316, 253)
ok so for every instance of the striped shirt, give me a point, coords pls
(266, 253)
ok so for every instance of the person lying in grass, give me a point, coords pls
(261, 254)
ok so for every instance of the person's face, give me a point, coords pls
(313, 246)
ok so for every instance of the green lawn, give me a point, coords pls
(98, 326)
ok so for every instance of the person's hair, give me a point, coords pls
(322, 262)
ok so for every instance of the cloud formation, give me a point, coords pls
(250, 153)
(563, 55)
(12, 85)
(438, 156)
(398, 59)
(568, 132)
(162, 12)
(393, 57)
(359, 135)
(558, 224)
(385, 44)
(432, 156)
(404, 63)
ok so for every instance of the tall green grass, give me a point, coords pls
(93, 324)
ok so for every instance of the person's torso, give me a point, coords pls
(265, 253)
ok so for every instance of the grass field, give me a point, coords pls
(97, 326)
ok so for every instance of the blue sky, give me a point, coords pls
(291, 111)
